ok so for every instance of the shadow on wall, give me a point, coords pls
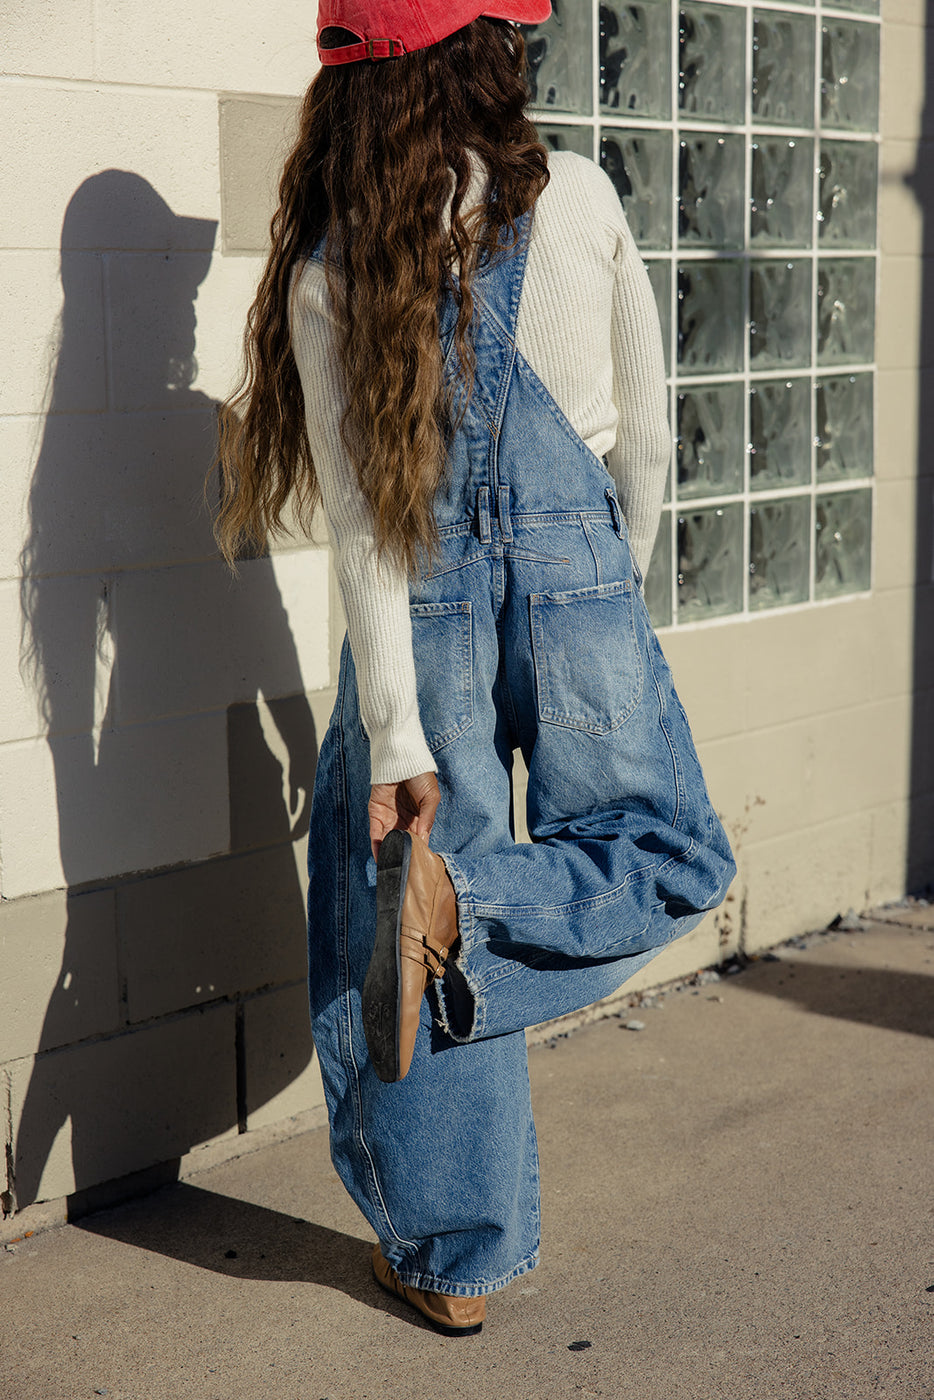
(920, 870)
(173, 705)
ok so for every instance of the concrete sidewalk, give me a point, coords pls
(737, 1202)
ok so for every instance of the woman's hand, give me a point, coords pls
(407, 806)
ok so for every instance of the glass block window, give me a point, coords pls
(743, 141)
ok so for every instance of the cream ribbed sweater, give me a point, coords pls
(588, 327)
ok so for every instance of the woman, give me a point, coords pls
(455, 347)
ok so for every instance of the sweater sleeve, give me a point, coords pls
(640, 458)
(374, 592)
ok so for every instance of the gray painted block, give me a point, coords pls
(140, 798)
(121, 491)
(282, 1077)
(132, 1100)
(211, 930)
(54, 355)
(150, 299)
(270, 792)
(255, 135)
(62, 951)
(211, 640)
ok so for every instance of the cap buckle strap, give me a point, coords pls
(388, 48)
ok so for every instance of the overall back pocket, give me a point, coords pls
(442, 646)
(588, 662)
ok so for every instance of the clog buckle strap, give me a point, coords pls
(435, 960)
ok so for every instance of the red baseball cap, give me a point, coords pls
(391, 28)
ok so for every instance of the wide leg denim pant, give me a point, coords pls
(530, 633)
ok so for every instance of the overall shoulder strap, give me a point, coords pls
(498, 284)
(497, 289)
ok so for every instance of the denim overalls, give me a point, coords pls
(529, 633)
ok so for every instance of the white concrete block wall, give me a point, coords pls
(147, 753)
(167, 136)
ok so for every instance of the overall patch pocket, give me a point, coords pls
(442, 646)
(588, 663)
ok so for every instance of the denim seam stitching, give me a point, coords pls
(346, 1022)
(549, 712)
(676, 766)
(463, 613)
(598, 569)
(555, 911)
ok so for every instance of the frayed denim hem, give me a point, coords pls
(458, 969)
(430, 1283)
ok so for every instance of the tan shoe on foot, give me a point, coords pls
(452, 1317)
(416, 925)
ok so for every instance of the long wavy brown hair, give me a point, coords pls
(372, 174)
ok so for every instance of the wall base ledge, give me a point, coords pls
(64, 1210)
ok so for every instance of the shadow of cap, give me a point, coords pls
(119, 210)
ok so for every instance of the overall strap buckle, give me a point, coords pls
(615, 511)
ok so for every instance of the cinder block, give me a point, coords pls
(902, 554)
(150, 299)
(903, 228)
(896, 619)
(122, 490)
(46, 1170)
(224, 298)
(861, 760)
(300, 855)
(520, 790)
(53, 320)
(257, 49)
(211, 930)
(322, 707)
(900, 300)
(256, 134)
(19, 707)
(903, 397)
(226, 638)
(29, 838)
(130, 169)
(808, 662)
(282, 1073)
(888, 868)
(142, 798)
(19, 442)
(50, 632)
(802, 880)
(304, 586)
(812, 771)
(913, 12)
(132, 1100)
(50, 38)
(902, 110)
(710, 671)
(59, 956)
(272, 756)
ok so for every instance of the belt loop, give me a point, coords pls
(483, 515)
(502, 512)
(615, 511)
